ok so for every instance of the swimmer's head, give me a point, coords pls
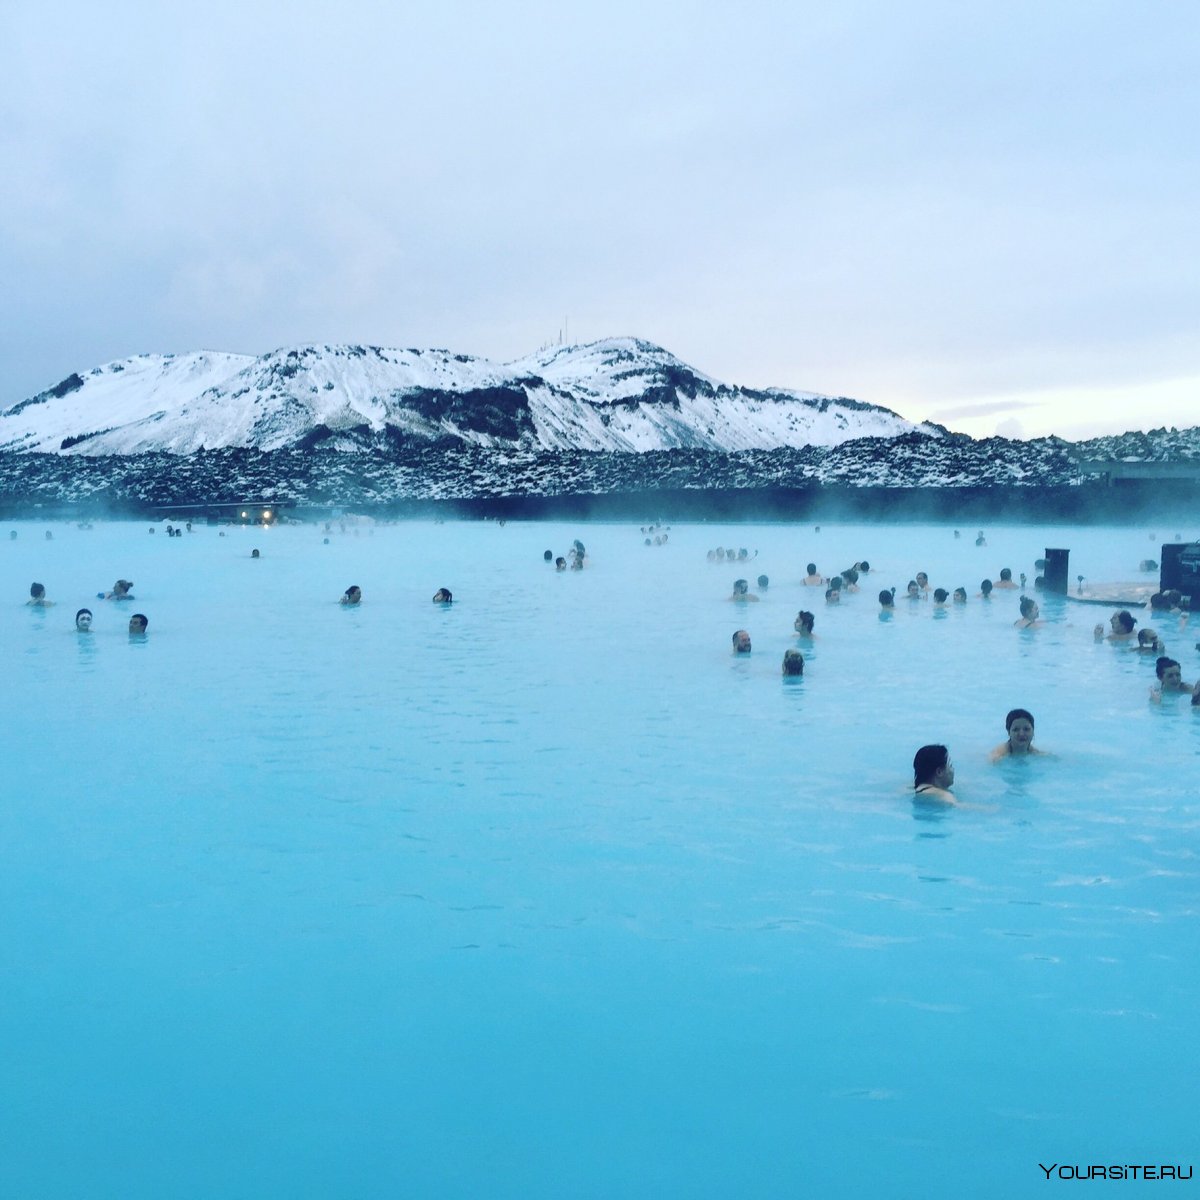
(353, 594)
(548, 556)
(1168, 670)
(986, 587)
(1123, 622)
(763, 582)
(1017, 714)
(931, 765)
(832, 596)
(741, 642)
(864, 567)
(811, 568)
(913, 589)
(83, 619)
(1148, 637)
(793, 662)
(138, 623)
(560, 563)
(850, 575)
(837, 583)
(922, 579)
(37, 591)
(886, 599)
(255, 554)
(1159, 602)
(1006, 574)
(960, 595)
(740, 587)
(940, 596)
(442, 596)
(1029, 608)
(804, 621)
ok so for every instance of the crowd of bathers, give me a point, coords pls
(933, 772)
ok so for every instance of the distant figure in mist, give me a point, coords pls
(1121, 623)
(352, 595)
(741, 642)
(981, 540)
(1019, 726)
(741, 592)
(813, 578)
(120, 590)
(1006, 580)
(37, 597)
(985, 590)
(1148, 641)
(560, 563)
(443, 596)
(1029, 615)
(763, 583)
(548, 556)
(255, 554)
(933, 775)
(793, 663)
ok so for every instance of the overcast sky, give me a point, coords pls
(977, 213)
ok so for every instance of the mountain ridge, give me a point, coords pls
(617, 394)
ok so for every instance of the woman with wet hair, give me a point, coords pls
(960, 595)
(933, 775)
(803, 623)
(985, 589)
(1122, 624)
(793, 663)
(940, 596)
(887, 598)
(741, 590)
(813, 578)
(1019, 725)
(1170, 679)
(1029, 615)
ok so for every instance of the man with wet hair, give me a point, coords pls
(1006, 580)
(741, 642)
(37, 596)
(352, 595)
(813, 578)
(138, 623)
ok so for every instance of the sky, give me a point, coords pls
(984, 215)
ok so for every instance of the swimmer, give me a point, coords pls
(1170, 679)
(352, 595)
(833, 596)
(803, 623)
(1148, 643)
(914, 590)
(985, 590)
(741, 591)
(1029, 615)
(37, 597)
(443, 596)
(548, 556)
(981, 540)
(1122, 624)
(83, 620)
(850, 577)
(763, 583)
(863, 568)
(922, 581)
(255, 554)
(813, 578)
(138, 623)
(887, 598)
(1019, 724)
(120, 590)
(940, 596)
(793, 663)
(933, 775)
(1005, 580)
(960, 595)
(560, 563)
(741, 642)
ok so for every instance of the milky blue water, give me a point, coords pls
(546, 894)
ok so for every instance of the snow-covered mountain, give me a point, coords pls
(621, 394)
